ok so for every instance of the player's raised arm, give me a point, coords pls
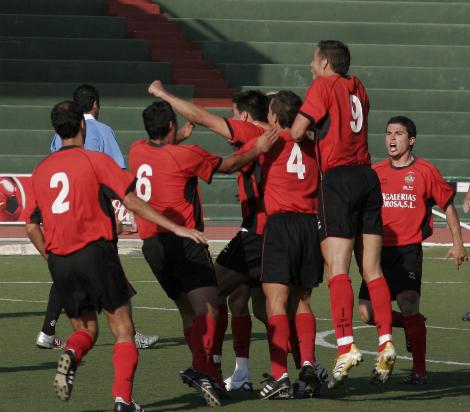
(192, 112)
(262, 144)
(457, 251)
(299, 128)
(466, 202)
(137, 205)
(185, 132)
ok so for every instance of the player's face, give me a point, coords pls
(397, 140)
(317, 64)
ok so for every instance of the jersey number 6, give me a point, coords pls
(143, 186)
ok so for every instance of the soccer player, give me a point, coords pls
(100, 138)
(167, 178)
(410, 187)
(466, 209)
(336, 107)
(291, 262)
(72, 192)
(238, 266)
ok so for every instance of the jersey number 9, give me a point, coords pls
(356, 112)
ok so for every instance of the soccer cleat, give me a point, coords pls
(300, 389)
(121, 406)
(343, 363)
(275, 389)
(466, 316)
(65, 376)
(239, 381)
(44, 341)
(202, 384)
(414, 379)
(384, 364)
(308, 375)
(145, 341)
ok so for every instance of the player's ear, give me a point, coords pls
(244, 116)
(412, 141)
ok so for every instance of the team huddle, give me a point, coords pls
(310, 200)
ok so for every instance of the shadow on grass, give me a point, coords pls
(29, 368)
(21, 314)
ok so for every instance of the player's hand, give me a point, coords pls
(192, 234)
(466, 202)
(156, 88)
(267, 140)
(458, 253)
(185, 131)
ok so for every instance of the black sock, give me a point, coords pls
(53, 312)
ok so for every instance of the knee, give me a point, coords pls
(366, 314)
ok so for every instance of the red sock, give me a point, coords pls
(415, 330)
(382, 306)
(221, 328)
(293, 344)
(80, 342)
(125, 359)
(187, 336)
(342, 305)
(241, 333)
(202, 343)
(278, 338)
(305, 324)
(397, 319)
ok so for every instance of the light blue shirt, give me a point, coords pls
(99, 138)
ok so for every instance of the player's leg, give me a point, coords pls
(187, 316)
(241, 335)
(415, 331)
(47, 338)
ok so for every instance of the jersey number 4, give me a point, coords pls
(60, 205)
(356, 112)
(294, 164)
(143, 186)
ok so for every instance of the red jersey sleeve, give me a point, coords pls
(441, 191)
(315, 104)
(243, 131)
(248, 146)
(195, 161)
(118, 181)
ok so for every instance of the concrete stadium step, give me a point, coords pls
(301, 10)
(401, 99)
(283, 75)
(115, 8)
(77, 7)
(82, 71)
(69, 49)
(362, 54)
(48, 94)
(38, 117)
(354, 32)
(62, 26)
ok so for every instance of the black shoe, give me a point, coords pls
(308, 374)
(202, 384)
(414, 379)
(121, 406)
(65, 376)
(275, 389)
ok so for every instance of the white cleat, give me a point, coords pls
(239, 382)
(145, 341)
(384, 364)
(44, 341)
(343, 363)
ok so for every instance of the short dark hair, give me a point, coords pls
(285, 104)
(157, 118)
(253, 102)
(337, 54)
(66, 118)
(406, 122)
(85, 95)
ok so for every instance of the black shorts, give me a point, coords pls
(350, 201)
(291, 250)
(402, 267)
(180, 265)
(243, 254)
(90, 279)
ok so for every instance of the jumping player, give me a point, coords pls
(336, 107)
(410, 187)
(72, 191)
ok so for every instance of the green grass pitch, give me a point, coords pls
(26, 373)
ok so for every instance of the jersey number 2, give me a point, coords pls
(294, 164)
(356, 112)
(143, 186)
(60, 205)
